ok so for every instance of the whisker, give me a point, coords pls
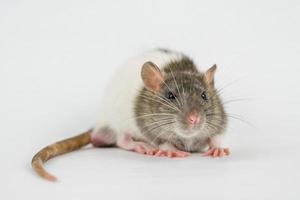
(164, 124)
(179, 93)
(171, 104)
(151, 98)
(156, 114)
(161, 134)
(226, 102)
(170, 90)
(215, 126)
(128, 120)
(220, 90)
(237, 117)
(242, 120)
(158, 122)
(235, 100)
(183, 90)
(190, 88)
(172, 107)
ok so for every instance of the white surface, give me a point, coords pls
(55, 57)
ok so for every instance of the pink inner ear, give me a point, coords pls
(210, 73)
(209, 78)
(152, 77)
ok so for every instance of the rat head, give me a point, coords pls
(179, 101)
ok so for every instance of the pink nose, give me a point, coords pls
(193, 118)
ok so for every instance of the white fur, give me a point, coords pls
(118, 102)
(216, 141)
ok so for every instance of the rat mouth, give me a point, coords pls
(187, 134)
(187, 130)
(192, 127)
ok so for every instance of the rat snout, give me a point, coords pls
(193, 118)
(191, 123)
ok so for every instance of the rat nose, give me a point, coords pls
(193, 118)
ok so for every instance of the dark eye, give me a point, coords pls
(171, 96)
(204, 96)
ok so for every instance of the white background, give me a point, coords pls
(56, 56)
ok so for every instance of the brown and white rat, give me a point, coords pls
(157, 104)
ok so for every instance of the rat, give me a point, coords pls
(158, 104)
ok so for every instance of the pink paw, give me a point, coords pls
(170, 154)
(217, 152)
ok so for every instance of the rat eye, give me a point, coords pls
(171, 96)
(204, 96)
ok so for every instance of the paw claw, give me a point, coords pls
(208, 152)
(178, 154)
(227, 152)
(144, 148)
(159, 153)
(169, 154)
(217, 152)
(222, 153)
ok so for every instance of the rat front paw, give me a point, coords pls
(217, 152)
(169, 153)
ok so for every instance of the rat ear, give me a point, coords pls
(210, 74)
(152, 76)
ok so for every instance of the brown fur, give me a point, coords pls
(57, 149)
(181, 75)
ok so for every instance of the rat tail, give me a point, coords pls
(56, 149)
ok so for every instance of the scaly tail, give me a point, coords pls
(56, 149)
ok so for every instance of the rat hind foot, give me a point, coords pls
(217, 152)
(128, 143)
(104, 137)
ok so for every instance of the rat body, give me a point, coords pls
(156, 104)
